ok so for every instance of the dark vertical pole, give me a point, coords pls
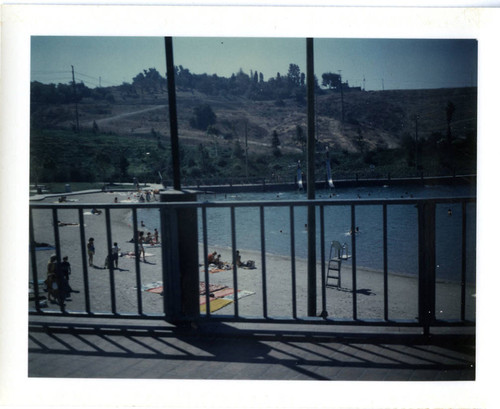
(34, 268)
(292, 254)
(246, 148)
(311, 211)
(57, 243)
(172, 109)
(341, 95)
(138, 280)
(354, 271)
(235, 264)
(172, 297)
(205, 258)
(386, 284)
(416, 142)
(84, 261)
(464, 261)
(76, 102)
(180, 254)
(427, 264)
(263, 260)
(324, 313)
(110, 261)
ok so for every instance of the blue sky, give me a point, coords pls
(372, 63)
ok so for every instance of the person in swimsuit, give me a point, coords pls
(91, 251)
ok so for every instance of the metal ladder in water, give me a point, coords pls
(338, 253)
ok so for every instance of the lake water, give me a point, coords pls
(402, 227)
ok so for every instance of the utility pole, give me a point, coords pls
(76, 102)
(246, 148)
(316, 117)
(311, 211)
(416, 142)
(172, 106)
(364, 85)
(341, 94)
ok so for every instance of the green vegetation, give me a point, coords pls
(244, 127)
(66, 157)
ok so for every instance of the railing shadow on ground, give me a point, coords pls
(309, 355)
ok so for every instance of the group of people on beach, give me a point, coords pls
(150, 238)
(57, 280)
(148, 196)
(142, 239)
(215, 259)
(115, 253)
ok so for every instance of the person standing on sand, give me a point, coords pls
(141, 246)
(51, 278)
(65, 272)
(63, 290)
(115, 250)
(91, 251)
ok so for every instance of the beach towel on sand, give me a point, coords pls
(219, 295)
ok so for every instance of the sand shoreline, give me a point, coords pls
(402, 295)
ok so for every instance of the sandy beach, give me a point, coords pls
(402, 290)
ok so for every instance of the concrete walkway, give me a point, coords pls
(83, 348)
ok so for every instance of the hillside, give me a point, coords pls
(373, 123)
(381, 119)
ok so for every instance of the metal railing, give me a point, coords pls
(175, 297)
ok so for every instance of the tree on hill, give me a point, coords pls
(149, 81)
(203, 117)
(184, 78)
(294, 75)
(331, 80)
(57, 94)
(127, 90)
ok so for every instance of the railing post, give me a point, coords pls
(311, 210)
(427, 264)
(34, 268)
(180, 258)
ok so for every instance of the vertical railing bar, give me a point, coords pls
(84, 261)
(57, 242)
(427, 264)
(464, 260)
(138, 279)
(235, 274)
(292, 253)
(324, 313)
(205, 259)
(421, 267)
(386, 271)
(34, 267)
(111, 267)
(263, 261)
(170, 262)
(354, 283)
(431, 240)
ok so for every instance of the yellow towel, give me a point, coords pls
(215, 305)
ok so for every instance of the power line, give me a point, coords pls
(55, 77)
(50, 72)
